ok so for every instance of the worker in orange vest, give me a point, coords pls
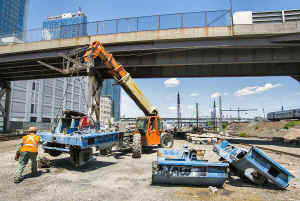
(28, 149)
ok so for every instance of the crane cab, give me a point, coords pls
(151, 130)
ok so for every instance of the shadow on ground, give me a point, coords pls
(65, 163)
(40, 173)
(117, 154)
(243, 182)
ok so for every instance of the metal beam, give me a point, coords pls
(52, 67)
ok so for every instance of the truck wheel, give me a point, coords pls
(53, 153)
(106, 151)
(166, 140)
(136, 146)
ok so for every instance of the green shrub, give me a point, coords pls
(256, 127)
(225, 124)
(243, 135)
(291, 124)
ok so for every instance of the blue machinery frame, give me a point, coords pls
(254, 164)
(182, 166)
(78, 145)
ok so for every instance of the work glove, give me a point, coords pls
(17, 156)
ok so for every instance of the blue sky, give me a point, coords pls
(256, 92)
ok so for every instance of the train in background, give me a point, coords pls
(284, 114)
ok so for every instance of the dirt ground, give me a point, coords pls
(264, 129)
(119, 177)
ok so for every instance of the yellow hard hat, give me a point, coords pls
(32, 129)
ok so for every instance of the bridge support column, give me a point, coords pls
(5, 109)
(95, 88)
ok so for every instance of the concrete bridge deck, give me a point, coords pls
(242, 50)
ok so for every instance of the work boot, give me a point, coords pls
(17, 180)
(34, 174)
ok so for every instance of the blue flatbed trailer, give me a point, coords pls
(78, 143)
(182, 167)
(254, 164)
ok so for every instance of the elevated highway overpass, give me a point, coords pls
(271, 49)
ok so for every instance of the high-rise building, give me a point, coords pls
(43, 100)
(67, 25)
(13, 17)
(105, 110)
(113, 89)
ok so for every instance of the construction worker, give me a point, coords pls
(28, 149)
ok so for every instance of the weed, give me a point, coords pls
(291, 124)
(243, 135)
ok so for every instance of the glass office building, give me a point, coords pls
(13, 14)
(68, 25)
(113, 89)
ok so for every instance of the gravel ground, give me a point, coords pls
(119, 177)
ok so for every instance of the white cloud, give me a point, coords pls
(225, 94)
(215, 95)
(172, 108)
(298, 93)
(256, 89)
(194, 94)
(172, 82)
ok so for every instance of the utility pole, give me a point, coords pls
(220, 110)
(178, 111)
(214, 116)
(197, 115)
(263, 110)
(231, 15)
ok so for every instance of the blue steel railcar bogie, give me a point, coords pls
(254, 165)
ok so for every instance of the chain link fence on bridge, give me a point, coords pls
(124, 25)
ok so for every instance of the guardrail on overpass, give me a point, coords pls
(125, 25)
(216, 18)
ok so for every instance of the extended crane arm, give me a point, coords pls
(120, 75)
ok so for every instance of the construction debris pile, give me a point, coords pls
(196, 138)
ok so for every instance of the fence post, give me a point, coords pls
(117, 26)
(205, 18)
(78, 31)
(283, 16)
(60, 28)
(159, 22)
(182, 24)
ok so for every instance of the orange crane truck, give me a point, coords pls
(149, 129)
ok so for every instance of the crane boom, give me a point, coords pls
(119, 73)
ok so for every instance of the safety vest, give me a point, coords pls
(30, 143)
